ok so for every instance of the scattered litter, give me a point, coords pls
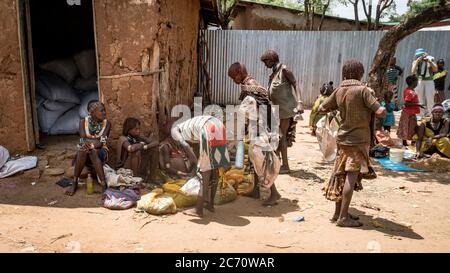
(60, 237)
(146, 223)
(278, 246)
(406, 224)
(64, 182)
(74, 247)
(33, 183)
(374, 247)
(298, 219)
(53, 203)
(28, 249)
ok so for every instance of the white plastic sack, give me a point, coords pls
(14, 166)
(42, 89)
(39, 101)
(86, 63)
(59, 90)
(86, 84)
(85, 99)
(67, 124)
(4, 156)
(58, 106)
(47, 118)
(326, 134)
(65, 68)
(266, 163)
(192, 187)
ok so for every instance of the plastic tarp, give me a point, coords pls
(14, 166)
(4, 156)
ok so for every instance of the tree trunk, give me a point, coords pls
(325, 8)
(369, 16)
(355, 7)
(388, 44)
(312, 18)
(377, 15)
(307, 15)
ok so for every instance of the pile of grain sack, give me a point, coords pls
(64, 88)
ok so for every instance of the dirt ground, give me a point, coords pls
(401, 212)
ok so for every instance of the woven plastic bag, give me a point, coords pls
(157, 203)
(326, 133)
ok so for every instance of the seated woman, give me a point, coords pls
(432, 134)
(92, 150)
(173, 160)
(131, 145)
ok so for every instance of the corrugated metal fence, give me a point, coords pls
(315, 57)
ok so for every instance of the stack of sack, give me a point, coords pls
(64, 88)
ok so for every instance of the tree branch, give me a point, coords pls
(389, 42)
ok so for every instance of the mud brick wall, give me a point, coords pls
(12, 115)
(139, 35)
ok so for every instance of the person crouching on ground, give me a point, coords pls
(213, 155)
(356, 104)
(131, 145)
(92, 150)
(325, 92)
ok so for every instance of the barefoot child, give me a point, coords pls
(408, 120)
(131, 145)
(325, 92)
(92, 150)
(356, 104)
(389, 120)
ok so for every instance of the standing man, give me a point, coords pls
(284, 92)
(423, 67)
(356, 104)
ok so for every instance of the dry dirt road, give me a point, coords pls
(401, 212)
